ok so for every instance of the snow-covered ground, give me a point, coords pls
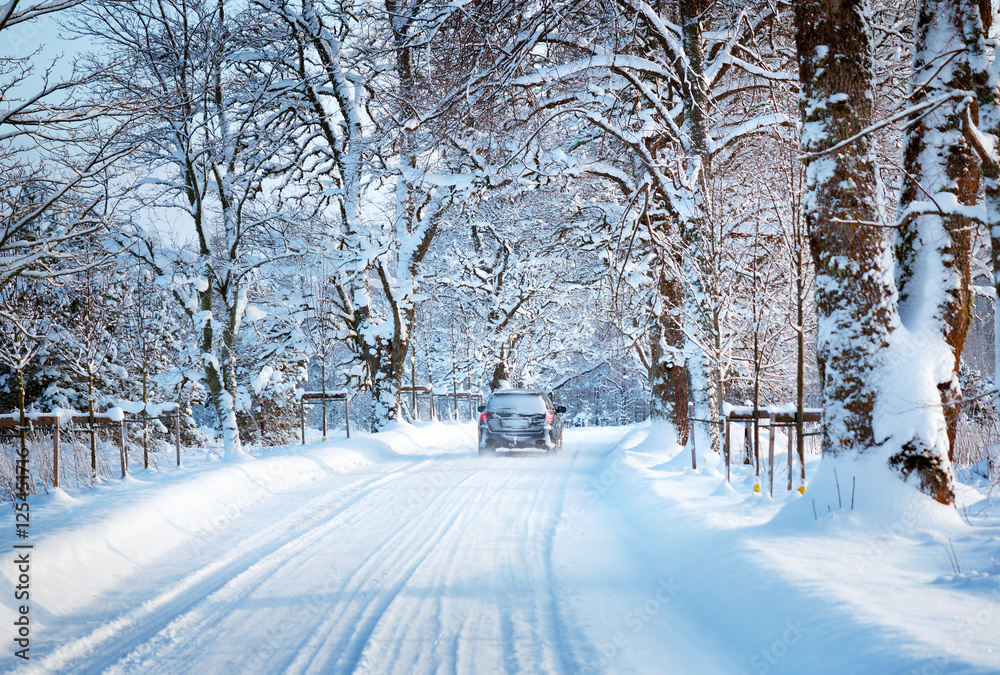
(406, 552)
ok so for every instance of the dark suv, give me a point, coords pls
(519, 418)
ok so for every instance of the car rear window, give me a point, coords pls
(526, 403)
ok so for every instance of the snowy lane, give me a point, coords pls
(435, 565)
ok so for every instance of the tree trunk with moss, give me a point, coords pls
(668, 375)
(853, 289)
(696, 230)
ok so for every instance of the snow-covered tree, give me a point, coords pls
(854, 289)
(677, 93)
(56, 148)
(213, 150)
(86, 340)
(934, 239)
(24, 330)
(518, 286)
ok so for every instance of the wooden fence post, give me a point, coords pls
(177, 434)
(727, 448)
(413, 386)
(694, 456)
(770, 452)
(347, 409)
(123, 445)
(55, 454)
(790, 454)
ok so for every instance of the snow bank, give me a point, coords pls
(900, 584)
(866, 494)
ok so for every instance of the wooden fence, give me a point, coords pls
(319, 398)
(751, 421)
(473, 401)
(56, 423)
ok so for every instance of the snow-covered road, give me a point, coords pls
(408, 553)
(436, 562)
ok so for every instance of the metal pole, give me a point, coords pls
(302, 420)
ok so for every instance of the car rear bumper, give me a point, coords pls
(520, 438)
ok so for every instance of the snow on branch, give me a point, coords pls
(923, 108)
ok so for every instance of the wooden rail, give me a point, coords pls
(319, 398)
(775, 419)
(746, 415)
(57, 422)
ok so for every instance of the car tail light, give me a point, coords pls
(549, 417)
(482, 418)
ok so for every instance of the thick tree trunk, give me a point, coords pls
(668, 377)
(500, 377)
(227, 402)
(213, 368)
(853, 289)
(933, 246)
(696, 231)
(383, 400)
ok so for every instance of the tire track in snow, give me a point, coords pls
(440, 621)
(518, 653)
(445, 632)
(137, 626)
(193, 632)
(569, 661)
(405, 549)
